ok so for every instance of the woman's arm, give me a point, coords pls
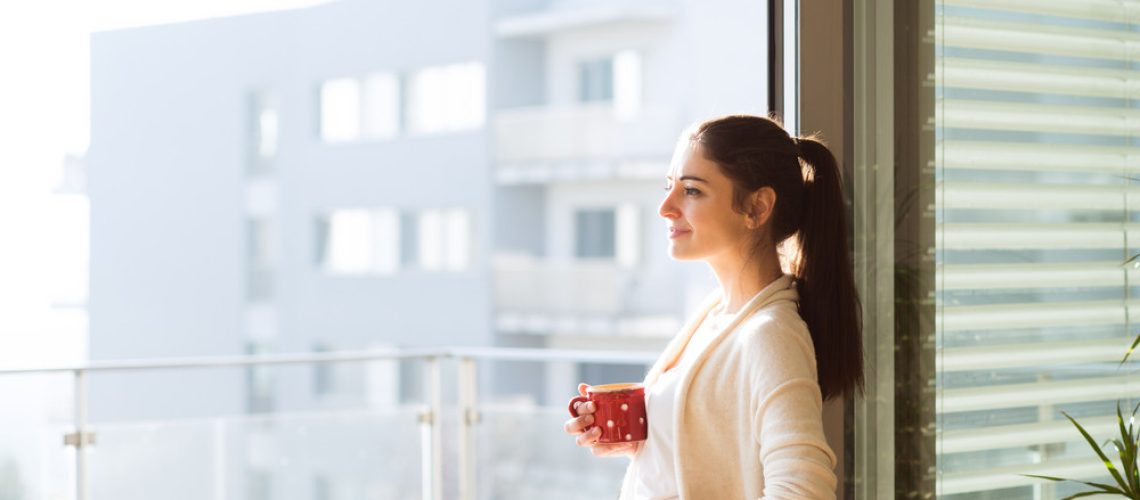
(787, 413)
(797, 461)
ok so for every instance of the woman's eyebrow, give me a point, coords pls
(687, 178)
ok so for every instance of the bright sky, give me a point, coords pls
(44, 115)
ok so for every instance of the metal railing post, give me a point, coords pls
(430, 433)
(436, 430)
(79, 438)
(469, 416)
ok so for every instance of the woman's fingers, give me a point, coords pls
(582, 388)
(606, 450)
(586, 408)
(589, 437)
(578, 424)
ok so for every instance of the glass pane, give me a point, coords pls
(458, 239)
(340, 110)
(447, 98)
(595, 233)
(597, 80)
(347, 249)
(431, 240)
(382, 106)
(523, 454)
(355, 454)
(1033, 305)
(37, 414)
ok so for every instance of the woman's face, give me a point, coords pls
(698, 208)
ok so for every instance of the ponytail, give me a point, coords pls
(829, 303)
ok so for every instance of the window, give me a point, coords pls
(360, 108)
(596, 80)
(608, 233)
(260, 259)
(263, 112)
(259, 383)
(627, 85)
(444, 240)
(358, 241)
(594, 234)
(615, 79)
(1035, 165)
(627, 242)
(380, 241)
(381, 106)
(340, 110)
(447, 98)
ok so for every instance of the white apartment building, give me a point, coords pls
(589, 100)
(286, 182)
(370, 174)
(304, 180)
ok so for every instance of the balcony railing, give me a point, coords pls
(583, 140)
(467, 448)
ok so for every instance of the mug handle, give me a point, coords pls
(573, 401)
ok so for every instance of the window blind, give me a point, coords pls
(1036, 154)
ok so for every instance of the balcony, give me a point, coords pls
(583, 141)
(590, 298)
(567, 15)
(469, 447)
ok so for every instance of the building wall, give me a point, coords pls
(168, 189)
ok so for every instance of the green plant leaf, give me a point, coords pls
(1133, 260)
(1084, 494)
(1092, 443)
(1130, 349)
(1104, 488)
(1127, 453)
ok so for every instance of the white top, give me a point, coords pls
(747, 415)
(653, 466)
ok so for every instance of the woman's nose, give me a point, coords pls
(667, 209)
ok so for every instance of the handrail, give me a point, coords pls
(476, 353)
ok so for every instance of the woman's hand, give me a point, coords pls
(589, 438)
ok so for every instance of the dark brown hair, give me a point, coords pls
(756, 152)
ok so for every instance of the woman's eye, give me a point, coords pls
(667, 188)
(692, 191)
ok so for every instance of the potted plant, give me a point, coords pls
(1125, 445)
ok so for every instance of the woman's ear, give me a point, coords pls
(762, 204)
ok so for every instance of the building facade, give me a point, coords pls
(365, 175)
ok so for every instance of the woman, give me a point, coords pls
(735, 400)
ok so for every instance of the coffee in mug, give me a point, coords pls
(619, 412)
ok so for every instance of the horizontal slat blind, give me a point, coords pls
(1036, 125)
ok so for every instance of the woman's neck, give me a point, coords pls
(741, 278)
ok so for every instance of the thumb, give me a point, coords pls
(582, 388)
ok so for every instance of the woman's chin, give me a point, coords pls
(676, 252)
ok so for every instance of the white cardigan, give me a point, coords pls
(748, 413)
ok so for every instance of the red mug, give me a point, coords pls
(619, 410)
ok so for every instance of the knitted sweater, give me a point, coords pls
(748, 413)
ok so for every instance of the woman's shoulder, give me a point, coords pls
(775, 331)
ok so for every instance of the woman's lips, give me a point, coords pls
(676, 233)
